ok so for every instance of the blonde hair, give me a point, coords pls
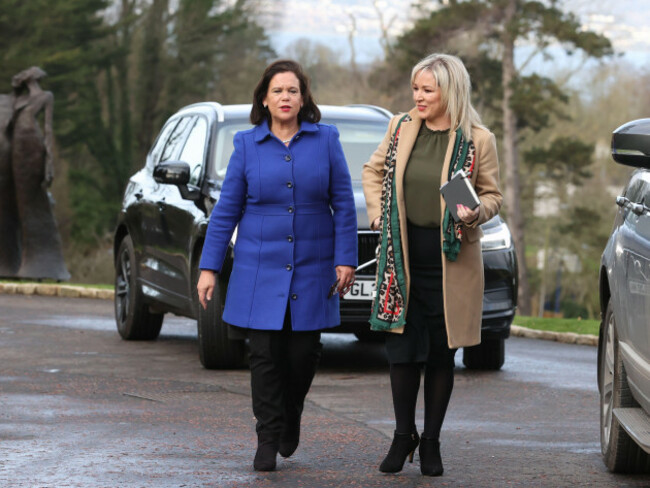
(455, 87)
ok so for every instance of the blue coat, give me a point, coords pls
(297, 221)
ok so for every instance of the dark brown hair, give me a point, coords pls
(309, 110)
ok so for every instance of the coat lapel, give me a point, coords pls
(407, 137)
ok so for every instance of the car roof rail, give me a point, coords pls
(216, 106)
(376, 108)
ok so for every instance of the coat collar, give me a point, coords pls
(262, 131)
(408, 134)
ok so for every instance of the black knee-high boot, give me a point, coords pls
(267, 395)
(267, 451)
(303, 357)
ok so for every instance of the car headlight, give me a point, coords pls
(495, 238)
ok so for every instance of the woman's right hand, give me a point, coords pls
(375, 223)
(205, 286)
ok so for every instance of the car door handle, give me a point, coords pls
(637, 208)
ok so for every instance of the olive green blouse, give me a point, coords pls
(422, 177)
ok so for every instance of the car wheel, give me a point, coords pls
(620, 453)
(490, 354)
(216, 349)
(132, 316)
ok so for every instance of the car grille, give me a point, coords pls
(367, 247)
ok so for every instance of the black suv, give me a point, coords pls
(624, 343)
(165, 213)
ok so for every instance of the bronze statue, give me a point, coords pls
(33, 170)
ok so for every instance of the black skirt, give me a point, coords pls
(425, 336)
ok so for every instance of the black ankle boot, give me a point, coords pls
(430, 460)
(267, 450)
(290, 438)
(403, 446)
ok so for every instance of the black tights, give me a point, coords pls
(405, 383)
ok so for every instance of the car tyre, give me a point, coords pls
(134, 320)
(490, 354)
(216, 349)
(620, 453)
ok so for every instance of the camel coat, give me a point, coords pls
(463, 278)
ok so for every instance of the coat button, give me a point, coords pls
(287, 157)
(288, 266)
(290, 238)
(289, 184)
(290, 209)
(294, 297)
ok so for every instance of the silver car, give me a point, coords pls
(624, 344)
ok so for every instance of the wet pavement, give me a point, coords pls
(79, 407)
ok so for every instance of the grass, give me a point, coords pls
(579, 326)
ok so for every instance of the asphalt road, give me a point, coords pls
(79, 407)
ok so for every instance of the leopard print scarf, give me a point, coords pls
(389, 305)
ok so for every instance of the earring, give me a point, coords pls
(264, 105)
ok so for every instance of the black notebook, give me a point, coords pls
(459, 190)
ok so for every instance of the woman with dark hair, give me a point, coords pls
(288, 189)
(430, 272)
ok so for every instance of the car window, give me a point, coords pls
(156, 150)
(194, 149)
(174, 142)
(224, 146)
(359, 141)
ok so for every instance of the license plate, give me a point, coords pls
(361, 290)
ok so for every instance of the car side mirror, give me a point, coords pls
(176, 173)
(172, 173)
(631, 144)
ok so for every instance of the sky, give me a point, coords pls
(329, 22)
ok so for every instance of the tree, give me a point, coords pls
(484, 33)
(543, 24)
(151, 73)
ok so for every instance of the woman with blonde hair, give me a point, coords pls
(430, 269)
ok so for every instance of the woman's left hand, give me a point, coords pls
(345, 277)
(466, 214)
